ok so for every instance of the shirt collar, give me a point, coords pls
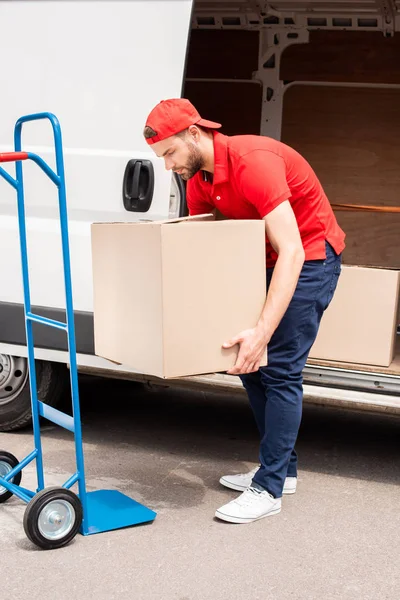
(221, 168)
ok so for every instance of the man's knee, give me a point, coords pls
(251, 379)
(281, 375)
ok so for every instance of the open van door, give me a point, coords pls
(100, 67)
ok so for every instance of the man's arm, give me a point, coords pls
(283, 233)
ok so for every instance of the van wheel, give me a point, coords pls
(15, 398)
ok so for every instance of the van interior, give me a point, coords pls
(335, 71)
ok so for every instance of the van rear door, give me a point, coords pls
(100, 67)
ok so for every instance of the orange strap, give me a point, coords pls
(365, 208)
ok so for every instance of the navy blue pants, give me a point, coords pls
(276, 391)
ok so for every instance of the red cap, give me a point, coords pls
(172, 116)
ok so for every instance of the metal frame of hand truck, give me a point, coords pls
(54, 515)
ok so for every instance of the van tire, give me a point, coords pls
(52, 386)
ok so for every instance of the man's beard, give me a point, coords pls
(195, 163)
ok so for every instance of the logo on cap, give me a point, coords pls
(172, 116)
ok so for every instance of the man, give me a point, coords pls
(255, 177)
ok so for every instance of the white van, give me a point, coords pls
(323, 76)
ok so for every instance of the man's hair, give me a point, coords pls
(149, 133)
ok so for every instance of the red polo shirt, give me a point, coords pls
(252, 176)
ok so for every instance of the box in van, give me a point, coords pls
(360, 324)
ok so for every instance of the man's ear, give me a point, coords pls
(194, 133)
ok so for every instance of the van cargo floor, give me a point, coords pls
(392, 369)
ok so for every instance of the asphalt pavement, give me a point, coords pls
(338, 537)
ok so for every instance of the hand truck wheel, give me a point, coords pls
(7, 463)
(53, 517)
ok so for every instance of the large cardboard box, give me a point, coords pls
(168, 294)
(360, 324)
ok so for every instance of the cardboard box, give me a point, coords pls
(360, 324)
(168, 294)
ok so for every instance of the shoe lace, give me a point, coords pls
(250, 495)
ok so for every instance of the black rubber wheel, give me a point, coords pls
(53, 517)
(15, 398)
(8, 462)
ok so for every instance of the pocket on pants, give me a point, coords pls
(337, 269)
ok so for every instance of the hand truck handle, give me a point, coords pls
(13, 156)
(56, 132)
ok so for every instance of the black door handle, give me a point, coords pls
(138, 185)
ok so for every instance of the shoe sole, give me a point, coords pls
(242, 488)
(239, 520)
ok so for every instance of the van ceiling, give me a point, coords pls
(346, 14)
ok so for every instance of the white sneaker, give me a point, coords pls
(242, 481)
(250, 506)
(290, 485)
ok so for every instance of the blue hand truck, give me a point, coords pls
(54, 515)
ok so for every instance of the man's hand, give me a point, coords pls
(252, 351)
